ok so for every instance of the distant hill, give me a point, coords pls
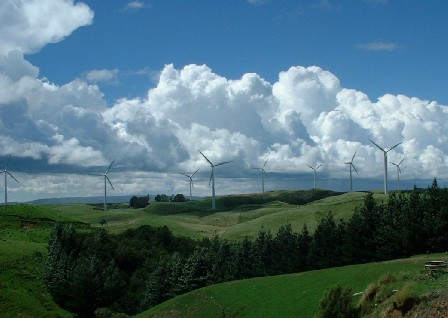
(91, 200)
(84, 200)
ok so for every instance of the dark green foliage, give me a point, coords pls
(81, 279)
(178, 198)
(337, 303)
(162, 198)
(139, 202)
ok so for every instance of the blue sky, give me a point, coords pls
(375, 46)
(148, 83)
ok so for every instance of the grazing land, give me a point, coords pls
(26, 229)
(298, 295)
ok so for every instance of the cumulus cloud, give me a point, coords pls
(379, 46)
(29, 25)
(304, 118)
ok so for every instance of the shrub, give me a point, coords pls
(337, 303)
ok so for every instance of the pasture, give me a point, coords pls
(25, 231)
(298, 295)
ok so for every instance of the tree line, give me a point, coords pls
(143, 267)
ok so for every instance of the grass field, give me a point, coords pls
(25, 231)
(297, 295)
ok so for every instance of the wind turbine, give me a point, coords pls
(6, 172)
(351, 166)
(385, 162)
(106, 178)
(315, 169)
(190, 176)
(212, 177)
(398, 171)
(263, 172)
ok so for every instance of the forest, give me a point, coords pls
(94, 273)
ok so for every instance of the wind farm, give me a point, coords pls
(315, 170)
(6, 174)
(385, 161)
(351, 165)
(397, 165)
(190, 179)
(263, 173)
(106, 180)
(212, 177)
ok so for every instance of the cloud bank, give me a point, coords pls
(304, 118)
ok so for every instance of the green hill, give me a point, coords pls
(298, 295)
(25, 231)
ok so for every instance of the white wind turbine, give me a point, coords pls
(263, 172)
(106, 178)
(212, 177)
(385, 162)
(315, 169)
(190, 176)
(398, 171)
(351, 166)
(6, 172)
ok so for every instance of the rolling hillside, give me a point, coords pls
(25, 230)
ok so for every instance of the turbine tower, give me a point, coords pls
(398, 171)
(190, 176)
(106, 179)
(263, 172)
(6, 172)
(385, 162)
(351, 166)
(212, 177)
(315, 169)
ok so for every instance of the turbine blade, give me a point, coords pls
(318, 167)
(265, 163)
(395, 146)
(205, 158)
(377, 146)
(12, 176)
(110, 166)
(184, 174)
(194, 173)
(354, 168)
(310, 167)
(223, 163)
(402, 160)
(107, 178)
(95, 174)
(353, 156)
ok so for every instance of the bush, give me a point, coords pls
(337, 303)
(139, 202)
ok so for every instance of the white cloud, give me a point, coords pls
(306, 117)
(136, 5)
(379, 46)
(106, 76)
(28, 25)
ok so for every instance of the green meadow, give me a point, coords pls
(25, 231)
(297, 295)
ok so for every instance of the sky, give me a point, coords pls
(149, 83)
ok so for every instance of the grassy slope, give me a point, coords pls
(294, 295)
(233, 219)
(25, 230)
